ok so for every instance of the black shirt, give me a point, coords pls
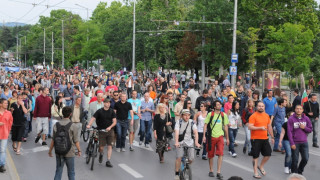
(18, 115)
(122, 110)
(104, 118)
(284, 126)
(164, 86)
(159, 125)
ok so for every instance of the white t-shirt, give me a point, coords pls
(188, 136)
(200, 123)
(183, 77)
(234, 120)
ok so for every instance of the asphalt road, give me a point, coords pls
(35, 164)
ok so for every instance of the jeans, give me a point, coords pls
(288, 158)
(145, 127)
(55, 93)
(278, 127)
(69, 161)
(26, 127)
(50, 127)
(303, 149)
(3, 146)
(122, 128)
(68, 102)
(247, 142)
(232, 138)
(200, 138)
(314, 130)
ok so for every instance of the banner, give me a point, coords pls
(14, 69)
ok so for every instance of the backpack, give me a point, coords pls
(192, 123)
(62, 141)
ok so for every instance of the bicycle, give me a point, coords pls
(92, 148)
(84, 132)
(185, 171)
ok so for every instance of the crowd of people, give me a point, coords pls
(169, 108)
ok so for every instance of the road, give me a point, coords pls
(35, 164)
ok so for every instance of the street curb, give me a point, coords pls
(11, 167)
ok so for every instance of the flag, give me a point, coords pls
(304, 97)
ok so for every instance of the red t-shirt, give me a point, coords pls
(114, 87)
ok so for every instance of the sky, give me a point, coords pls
(28, 11)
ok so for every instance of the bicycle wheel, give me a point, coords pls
(89, 153)
(187, 173)
(94, 153)
(84, 132)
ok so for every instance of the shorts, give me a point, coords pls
(217, 146)
(179, 153)
(42, 124)
(260, 145)
(106, 138)
(133, 128)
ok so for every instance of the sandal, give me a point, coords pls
(18, 152)
(256, 176)
(263, 172)
(14, 148)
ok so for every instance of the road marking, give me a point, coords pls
(136, 144)
(238, 165)
(34, 150)
(314, 153)
(12, 168)
(130, 171)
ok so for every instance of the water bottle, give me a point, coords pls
(182, 163)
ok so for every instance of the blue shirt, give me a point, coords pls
(279, 115)
(135, 106)
(269, 105)
(146, 116)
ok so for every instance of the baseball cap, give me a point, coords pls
(185, 111)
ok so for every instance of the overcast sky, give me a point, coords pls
(24, 11)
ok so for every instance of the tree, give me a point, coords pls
(187, 54)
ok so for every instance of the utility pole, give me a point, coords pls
(44, 47)
(203, 66)
(62, 45)
(17, 56)
(234, 41)
(134, 38)
(52, 51)
(25, 51)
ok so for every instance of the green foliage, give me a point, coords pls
(140, 66)
(289, 48)
(153, 65)
(111, 64)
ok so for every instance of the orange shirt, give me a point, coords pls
(153, 94)
(7, 120)
(259, 120)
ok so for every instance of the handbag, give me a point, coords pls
(168, 127)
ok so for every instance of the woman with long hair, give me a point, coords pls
(187, 105)
(6, 93)
(234, 122)
(56, 111)
(161, 120)
(199, 120)
(246, 113)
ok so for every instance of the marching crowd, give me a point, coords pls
(170, 107)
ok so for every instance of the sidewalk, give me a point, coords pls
(11, 173)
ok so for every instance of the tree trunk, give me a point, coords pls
(303, 84)
(297, 82)
(220, 71)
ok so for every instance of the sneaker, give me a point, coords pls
(123, 150)
(100, 158)
(2, 169)
(204, 158)
(131, 148)
(44, 143)
(147, 146)
(108, 164)
(230, 153)
(49, 136)
(197, 153)
(234, 155)
(176, 177)
(315, 145)
(250, 153)
(24, 139)
(286, 170)
(140, 143)
(244, 150)
(211, 174)
(37, 139)
(219, 176)
(118, 149)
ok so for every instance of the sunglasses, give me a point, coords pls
(116, 95)
(189, 103)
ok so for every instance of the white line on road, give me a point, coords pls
(136, 143)
(34, 150)
(314, 153)
(130, 171)
(241, 166)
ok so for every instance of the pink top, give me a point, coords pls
(227, 107)
(114, 87)
(7, 119)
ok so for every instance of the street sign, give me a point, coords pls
(233, 70)
(234, 58)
